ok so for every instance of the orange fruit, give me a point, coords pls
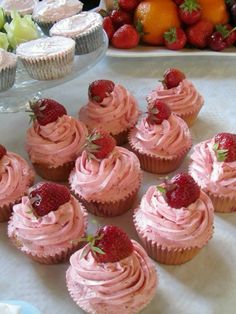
(156, 16)
(214, 11)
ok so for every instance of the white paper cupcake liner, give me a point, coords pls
(7, 78)
(89, 42)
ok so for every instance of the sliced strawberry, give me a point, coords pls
(172, 78)
(198, 34)
(100, 144)
(120, 17)
(125, 37)
(108, 26)
(225, 147)
(128, 5)
(46, 197)
(175, 38)
(157, 112)
(46, 110)
(190, 12)
(100, 89)
(3, 151)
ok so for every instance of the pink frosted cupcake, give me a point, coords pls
(122, 279)
(161, 140)
(175, 220)
(179, 94)
(16, 177)
(48, 224)
(106, 178)
(54, 141)
(214, 168)
(111, 107)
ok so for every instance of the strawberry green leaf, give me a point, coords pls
(97, 250)
(161, 189)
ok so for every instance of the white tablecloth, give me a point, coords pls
(205, 285)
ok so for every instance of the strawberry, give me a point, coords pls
(128, 5)
(216, 42)
(199, 33)
(110, 244)
(46, 110)
(180, 191)
(100, 89)
(46, 197)
(172, 77)
(120, 17)
(225, 147)
(108, 26)
(228, 34)
(3, 151)
(157, 112)
(189, 12)
(125, 37)
(100, 144)
(175, 38)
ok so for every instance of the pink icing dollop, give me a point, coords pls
(16, 176)
(51, 233)
(218, 177)
(108, 179)
(57, 142)
(169, 138)
(190, 226)
(182, 99)
(126, 286)
(116, 113)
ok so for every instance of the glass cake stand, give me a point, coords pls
(25, 88)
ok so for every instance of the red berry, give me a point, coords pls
(181, 191)
(172, 77)
(189, 12)
(157, 112)
(198, 34)
(100, 89)
(128, 5)
(216, 42)
(178, 2)
(47, 110)
(228, 34)
(3, 151)
(125, 37)
(115, 244)
(46, 197)
(120, 17)
(175, 39)
(108, 26)
(225, 147)
(100, 144)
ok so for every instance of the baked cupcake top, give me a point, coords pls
(15, 177)
(212, 169)
(189, 225)
(7, 59)
(47, 220)
(110, 106)
(23, 7)
(45, 47)
(55, 10)
(77, 25)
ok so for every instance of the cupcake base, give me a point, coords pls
(121, 138)
(5, 212)
(190, 117)
(7, 78)
(60, 174)
(222, 204)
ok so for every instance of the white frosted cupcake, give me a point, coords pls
(8, 62)
(22, 7)
(47, 58)
(85, 28)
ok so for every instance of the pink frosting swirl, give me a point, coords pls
(182, 99)
(175, 228)
(116, 113)
(127, 285)
(57, 142)
(15, 178)
(51, 233)
(108, 179)
(169, 138)
(215, 176)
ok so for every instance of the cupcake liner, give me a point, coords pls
(44, 26)
(60, 173)
(158, 165)
(222, 203)
(121, 138)
(7, 78)
(89, 42)
(191, 116)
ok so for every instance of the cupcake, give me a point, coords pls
(179, 94)
(16, 177)
(214, 169)
(54, 141)
(85, 28)
(106, 178)
(174, 220)
(47, 58)
(48, 12)
(111, 107)
(121, 279)
(8, 62)
(22, 7)
(49, 224)
(161, 139)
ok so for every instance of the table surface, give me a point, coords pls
(205, 285)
